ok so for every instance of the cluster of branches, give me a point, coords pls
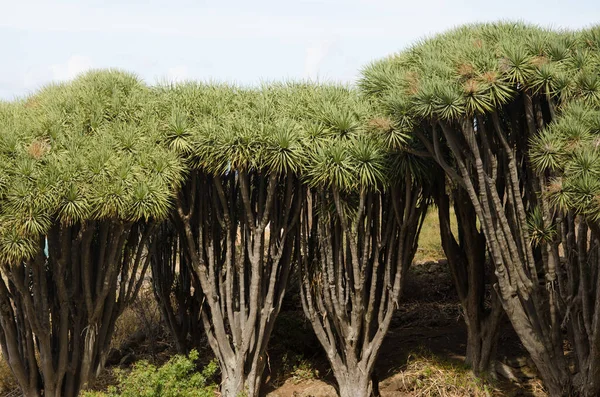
(354, 252)
(493, 105)
(63, 305)
(238, 231)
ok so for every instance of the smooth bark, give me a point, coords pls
(466, 256)
(238, 231)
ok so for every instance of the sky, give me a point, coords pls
(243, 42)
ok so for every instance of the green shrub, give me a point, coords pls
(304, 370)
(296, 367)
(176, 378)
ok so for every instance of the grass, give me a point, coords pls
(8, 383)
(427, 375)
(430, 244)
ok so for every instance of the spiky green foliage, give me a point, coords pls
(477, 68)
(220, 129)
(80, 151)
(568, 152)
(327, 135)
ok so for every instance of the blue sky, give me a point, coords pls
(237, 41)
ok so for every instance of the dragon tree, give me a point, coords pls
(237, 215)
(360, 227)
(83, 183)
(481, 93)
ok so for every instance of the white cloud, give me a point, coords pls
(177, 74)
(315, 54)
(74, 66)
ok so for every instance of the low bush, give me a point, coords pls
(176, 378)
(298, 368)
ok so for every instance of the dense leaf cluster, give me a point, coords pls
(567, 151)
(478, 68)
(108, 146)
(79, 151)
(318, 132)
(175, 378)
(481, 68)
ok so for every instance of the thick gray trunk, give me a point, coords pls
(232, 385)
(236, 384)
(548, 360)
(481, 352)
(32, 393)
(353, 382)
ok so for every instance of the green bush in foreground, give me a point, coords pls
(176, 378)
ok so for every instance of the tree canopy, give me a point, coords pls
(80, 151)
(478, 68)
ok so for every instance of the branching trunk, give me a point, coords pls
(62, 305)
(491, 165)
(354, 252)
(176, 288)
(466, 257)
(238, 230)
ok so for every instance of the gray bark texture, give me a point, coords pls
(354, 253)
(238, 232)
(62, 306)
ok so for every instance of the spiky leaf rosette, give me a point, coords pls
(568, 153)
(79, 151)
(277, 128)
(475, 69)
(221, 128)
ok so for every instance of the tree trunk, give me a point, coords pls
(466, 258)
(353, 382)
(33, 393)
(481, 349)
(591, 387)
(549, 360)
(235, 383)
(232, 384)
(176, 289)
